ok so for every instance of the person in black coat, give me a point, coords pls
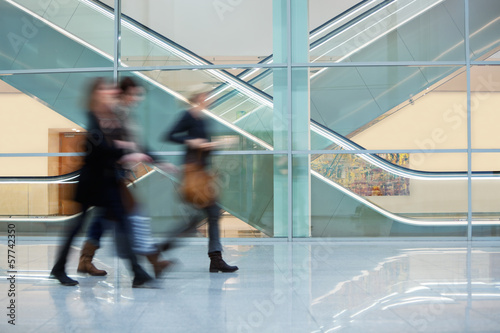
(100, 182)
(191, 130)
(143, 243)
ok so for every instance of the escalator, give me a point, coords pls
(62, 93)
(253, 202)
(347, 100)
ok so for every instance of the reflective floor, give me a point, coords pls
(280, 287)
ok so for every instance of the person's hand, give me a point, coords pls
(129, 145)
(196, 143)
(135, 158)
(208, 146)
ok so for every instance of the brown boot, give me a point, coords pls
(86, 265)
(158, 265)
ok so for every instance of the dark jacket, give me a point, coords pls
(100, 175)
(187, 128)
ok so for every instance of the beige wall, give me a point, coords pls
(25, 129)
(437, 121)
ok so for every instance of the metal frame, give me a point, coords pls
(469, 125)
(290, 152)
(289, 109)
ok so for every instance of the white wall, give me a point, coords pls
(221, 27)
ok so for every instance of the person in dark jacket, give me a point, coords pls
(191, 130)
(100, 183)
(143, 243)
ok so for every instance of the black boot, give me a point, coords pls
(62, 277)
(217, 264)
(141, 278)
(141, 282)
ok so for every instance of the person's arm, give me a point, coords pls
(179, 132)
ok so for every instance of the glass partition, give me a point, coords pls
(485, 96)
(484, 23)
(354, 196)
(63, 93)
(392, 107)
(242, 116)
(393, 78)
(55, 34)
(485, 190)
(221, 34)
(403, 30)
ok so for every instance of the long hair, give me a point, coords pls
(97, 83)
(127, 83)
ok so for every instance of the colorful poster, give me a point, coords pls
(361, 177)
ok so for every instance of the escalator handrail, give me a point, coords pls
(339, 16)
(401, 219)
(347, 144)
(330, 35)
(344, 13)
(71, 177)
(179, 47)
(347, 25)
(66, 178)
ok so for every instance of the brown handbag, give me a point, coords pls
(199, 186)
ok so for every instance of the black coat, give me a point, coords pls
(100, 175)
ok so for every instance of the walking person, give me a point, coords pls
(191, 130)
(142, 240)
(100, 184)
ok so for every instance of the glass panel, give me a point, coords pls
(494, 57)
(55, 34)
(373, 107)
(41, 103)
(235, 109)
(42, 204)
(485, 192)
(37, 192)
(253, 197)
(484, 25)
(405, 30)
(356, 196)
(485, 98)
(327, 16)
(220, 35)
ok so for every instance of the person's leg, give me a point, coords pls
(116, 210)
(217, 264)
(59, 269)
(96, 228)
(91, 244)
(213, 213)
(144, 243)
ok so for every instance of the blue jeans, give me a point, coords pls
(213, 213)
(97, 227)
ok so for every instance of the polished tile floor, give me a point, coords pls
(280, 287)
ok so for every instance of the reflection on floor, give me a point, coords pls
(280, 287)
